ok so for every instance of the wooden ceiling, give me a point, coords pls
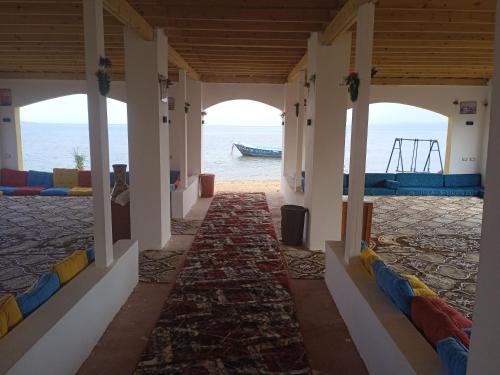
(416, 41)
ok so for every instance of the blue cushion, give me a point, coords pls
(468, 331)
(463, 191)
(378, 179)
(7, 190)
(345, 182)
(421, 191)
(40, 179)
(453, 355)
(392, 184)
(45, 287)
(462, 180)
(395, 286)
(90, 254)
(55, 192)
(420, 179)
(379, 191)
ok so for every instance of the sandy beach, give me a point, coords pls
(248, 186)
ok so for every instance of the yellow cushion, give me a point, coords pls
(368, 256)
(80, 191)
(70, 267)
(419, 287)
(65, 177)
(10, 314)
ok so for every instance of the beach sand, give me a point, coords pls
(248, 186)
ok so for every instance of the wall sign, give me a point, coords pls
(468, 108)
(5, 97)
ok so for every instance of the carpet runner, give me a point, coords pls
(230, 311)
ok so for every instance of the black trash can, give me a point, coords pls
(292, 224)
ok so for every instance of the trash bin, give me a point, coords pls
(292, 224)
(207, 181)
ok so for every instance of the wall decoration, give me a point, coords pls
(164, 84)
(468, 108)
(297, 108)
(352, 83)
(186, 107)
(5, 97)
(103, 76)
(171, 103)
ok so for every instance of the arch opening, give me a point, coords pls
(389, 121)
(53, 130)
(246, 122)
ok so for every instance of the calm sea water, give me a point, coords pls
(51, 145)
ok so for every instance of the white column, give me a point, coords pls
(325, 138)
(194, 128)
(359, 132)
(11, 152)
(289, 132)
(180, 128)
(483, 356)
(148, 139)
(98, 133)
(299, 146)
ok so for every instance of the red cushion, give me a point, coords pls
(11, 177)
(28, 190)
(84, 179)
(437, 321)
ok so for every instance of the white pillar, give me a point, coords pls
(325, 138)
(359, 132)
(299, 146)
(148, 139)
(194, 128)
(98, 133)
(11, 154)
(483, 356)
(180, 129)
(290, 132)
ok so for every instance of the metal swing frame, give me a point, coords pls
(398, 145)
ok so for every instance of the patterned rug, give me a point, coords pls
(37, 232)
(158, 266)
(303, 263)
(230, 310)
(185, 227)
(435, 238)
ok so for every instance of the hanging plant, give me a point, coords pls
(103, 76)
(374, 72)
(297, 106)
(352, 83)
(186, 107)
(203, 114)
(283, 115)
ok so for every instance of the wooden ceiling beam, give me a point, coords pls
(128, 16)
(434, 27)
(235, 42)
(297, 69)
(430, 81)
(220, 78)
(175, 58)
(432, 15)
(461, 5)
(225, 25)
(232, 34)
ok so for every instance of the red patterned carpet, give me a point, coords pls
(230, 311)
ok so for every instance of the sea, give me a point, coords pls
(46, 146)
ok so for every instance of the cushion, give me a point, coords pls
(379, 191)
(42, 179)
(367, 257)
(80, 191)
(391, 184)
(7, 190)
(84, 178)
(419, 287)
(65, 177)
(10, 314)
(395, 286)
(462, 180)
(28, 190)
(71, 266)
(435, 322)
(90, 254)
(453, 355)
(45, 287)
(12, 177)
(422, 191)
(420, 179)
(55, 192)
(378, 179)
(462, 191)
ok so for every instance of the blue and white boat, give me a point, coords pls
(258, 151)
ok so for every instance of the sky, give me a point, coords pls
(73, 109)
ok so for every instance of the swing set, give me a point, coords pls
(433, 146)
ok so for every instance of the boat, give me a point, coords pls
(258, 151)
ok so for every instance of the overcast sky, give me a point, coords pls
(73, 109)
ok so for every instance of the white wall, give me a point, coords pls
(214, 93)
(466, 154)
(194, 127)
